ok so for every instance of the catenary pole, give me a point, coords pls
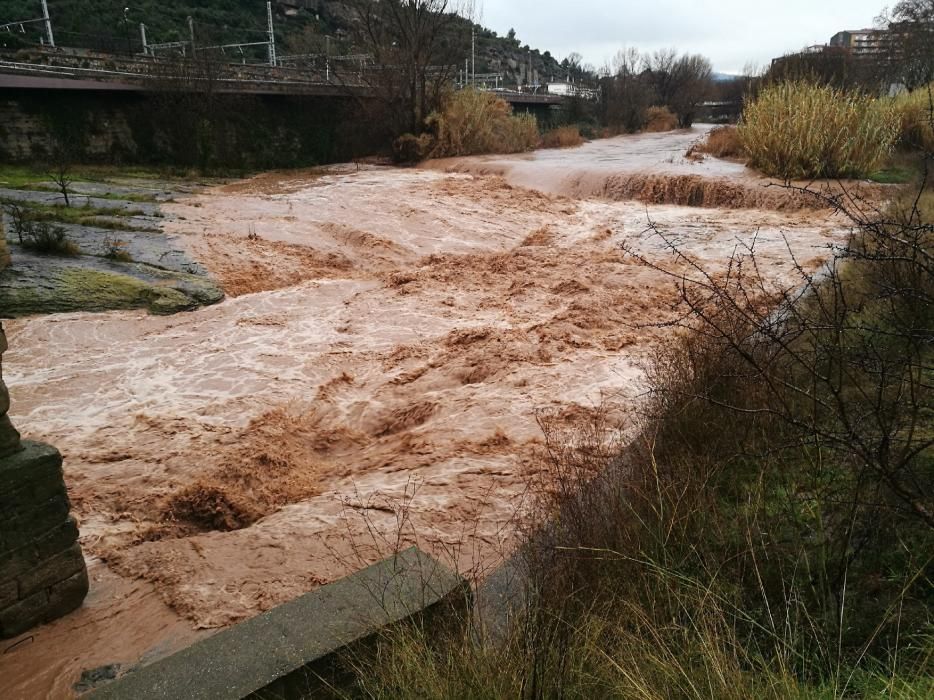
(48, 23)
(272, 35)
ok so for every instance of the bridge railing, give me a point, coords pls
(147, 71)
(356, 72)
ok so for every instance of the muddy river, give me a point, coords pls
(390, 343)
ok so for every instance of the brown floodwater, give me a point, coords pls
(390, 343)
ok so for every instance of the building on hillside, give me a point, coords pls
(863, 43)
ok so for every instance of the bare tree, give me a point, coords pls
(692, 81)
(911, 42)
(680, 83)
(627, 93)
(60, 168)
(415, 48)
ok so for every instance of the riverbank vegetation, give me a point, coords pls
(856, 133)
(865, 136)
(472, 122)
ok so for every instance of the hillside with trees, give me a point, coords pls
(302, 27)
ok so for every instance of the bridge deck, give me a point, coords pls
(136, 75)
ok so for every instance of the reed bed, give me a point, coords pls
(796, 130)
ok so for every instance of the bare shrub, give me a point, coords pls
(722, 142)
(658, 119)
(47, 239)
(473, 122)
(116, 250)
(60, 170)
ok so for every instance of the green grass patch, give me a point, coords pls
(20, 177)
(81, 289)
(29, 176)
(115, 225)
(78, 215)
(894, 176)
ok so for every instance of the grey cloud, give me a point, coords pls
(731, 33)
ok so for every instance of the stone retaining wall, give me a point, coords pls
(246, 132)
(42, 570)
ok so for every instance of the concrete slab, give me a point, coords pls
(297, 649)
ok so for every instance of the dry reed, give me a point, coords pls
(797, 130)
(474, 122)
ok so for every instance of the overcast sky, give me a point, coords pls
(731, 33)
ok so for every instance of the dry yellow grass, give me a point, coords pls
(722, 142)
(562, 137)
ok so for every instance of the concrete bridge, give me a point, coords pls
(103, 73)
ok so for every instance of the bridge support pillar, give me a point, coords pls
(42, 571)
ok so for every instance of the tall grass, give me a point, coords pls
(798, 130)
(474, 122)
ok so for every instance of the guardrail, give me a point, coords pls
(232, 80)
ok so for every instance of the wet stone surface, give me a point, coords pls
(125, 259)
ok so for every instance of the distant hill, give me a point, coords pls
(300, 26)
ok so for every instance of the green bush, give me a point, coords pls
(797, 130)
